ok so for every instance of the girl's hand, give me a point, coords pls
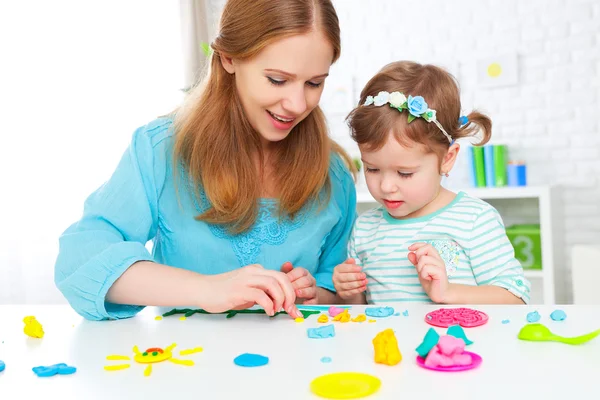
(349, 280)
(431, 269)
(247, 286)
(304, 284)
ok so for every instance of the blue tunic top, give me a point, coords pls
(139, 204)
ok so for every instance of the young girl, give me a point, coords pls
(424, 243)
(245, 198)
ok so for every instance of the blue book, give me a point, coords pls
(488, 159)
(471, 164)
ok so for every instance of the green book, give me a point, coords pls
(500, 164)
(479, 164)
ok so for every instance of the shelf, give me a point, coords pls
(483, 193)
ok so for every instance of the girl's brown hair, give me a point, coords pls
(216, 144)
(370, 126)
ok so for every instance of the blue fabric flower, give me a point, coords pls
(463, 120)
(417, 105)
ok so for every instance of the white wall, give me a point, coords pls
(549, 119)
(76, 79)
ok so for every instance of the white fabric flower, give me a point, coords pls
(381, 99)
(397, 99)
(368, 101)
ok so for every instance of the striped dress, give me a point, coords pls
(468, 233)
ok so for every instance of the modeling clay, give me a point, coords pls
(333, 311)
(323, 319)
(396, 314)
(386, 348)
(540, 333)
(465, 317)
(533, 316)
(405, 313)
(60, 369)
(188, 312)
(116, 367)
(345, 385)
(117, 357)
(32, 327)
(360, 318)
(299, 319)
(318, 308)
(458, 332)
(321, 332)
(2, 365)
(372, 320)
(447, 353)
(326, 359)
(251, 360)
(558, 315)
(342, 317)
(182, 318)
(505, 321)
(158, 318)
(151, 356)
(380, 312)
(429, 342)
(191, 351)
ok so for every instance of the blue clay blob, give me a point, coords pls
(321, 332)
(51, 370)
(533, 316)
(558, 315)
(379, 312)
(2, 365)
(250, 360)
(505, 321)
(326, 359)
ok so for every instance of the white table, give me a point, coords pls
(511, 369)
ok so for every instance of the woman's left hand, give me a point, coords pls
(304, 284)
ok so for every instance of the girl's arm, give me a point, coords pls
(487, 294)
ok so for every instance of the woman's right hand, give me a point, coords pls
(247, 286)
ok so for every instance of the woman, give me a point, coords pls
(245, 198)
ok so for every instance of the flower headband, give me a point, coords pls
(416, 107)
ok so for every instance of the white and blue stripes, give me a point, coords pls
(468, 233)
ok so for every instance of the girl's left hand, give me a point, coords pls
(304, 284)
(431, 269)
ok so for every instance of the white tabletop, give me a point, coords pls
(511, 368)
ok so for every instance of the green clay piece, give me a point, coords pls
(188, 312)
(458, 332)
(429, 342)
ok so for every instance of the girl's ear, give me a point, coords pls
(450, 158)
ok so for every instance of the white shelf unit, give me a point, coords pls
(547, 206)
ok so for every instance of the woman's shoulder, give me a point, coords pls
(156, 132)
(338, 168)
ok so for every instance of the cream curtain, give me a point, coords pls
(196, 31)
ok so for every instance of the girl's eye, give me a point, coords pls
(405, 175)
(275, 81)
(371, 169)
(313, 84)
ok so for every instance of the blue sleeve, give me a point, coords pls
(118, 220)
(335, 247)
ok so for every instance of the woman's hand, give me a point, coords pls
(304, 284)
(247, 286)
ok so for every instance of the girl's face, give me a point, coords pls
(280, 86)
(406, 180)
